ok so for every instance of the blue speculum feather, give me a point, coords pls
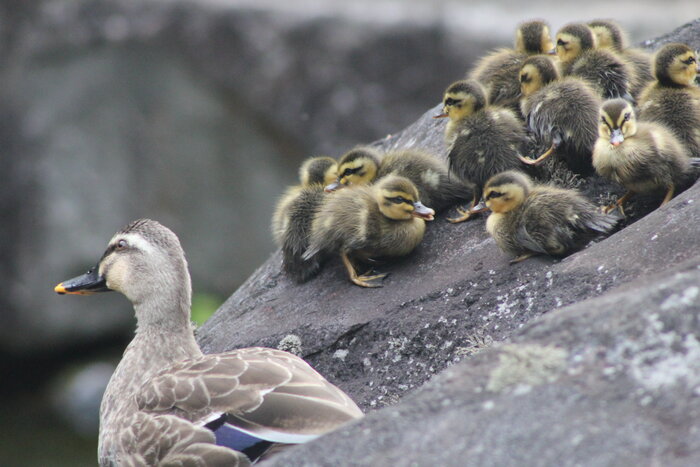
(232, 438)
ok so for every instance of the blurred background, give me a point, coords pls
(195, 113)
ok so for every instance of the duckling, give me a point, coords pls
(167, 403)
(364, 165)
(367, 222)
(483, 140)
(604, 70)
(528, 219)
(560, 112)
(674, 98)
(291, 221)
(498, 71)
(641, 156)
(609, 35)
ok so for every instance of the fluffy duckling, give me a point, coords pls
(603, 69)
(291, 221)
(364, 165)
(167, 403)
(482, 140)
(641, 156)
(498, 71)
(528, 219)
(368, 222)
(609, 35)
(674, 98)
(559, 112)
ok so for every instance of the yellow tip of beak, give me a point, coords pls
(60, 289)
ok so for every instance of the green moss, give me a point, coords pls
(203, 306)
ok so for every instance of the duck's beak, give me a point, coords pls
(553, 51)
(87, 284)
(422, 211)
(333, 186)
(616, 137)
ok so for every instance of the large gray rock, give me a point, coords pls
(576, 380)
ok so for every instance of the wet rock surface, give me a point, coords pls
(591, 360)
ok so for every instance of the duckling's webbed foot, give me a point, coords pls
(618, 204)
(366, 280)
(476, 208)
(522, 257)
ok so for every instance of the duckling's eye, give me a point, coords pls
(121, 244)
(561, 43)
(494, 194)
(399, 200)
(451, 101)
(347, 172)
(628, 116)
(689, 60)
(525, 78)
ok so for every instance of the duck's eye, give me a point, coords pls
(561, 43)
(451, 101)
(121, 244)
(628, 115)
(689, 60)
(524, 78)
(494, 194)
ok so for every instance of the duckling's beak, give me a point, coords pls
(87, 284)
(616, 137)
(333, 186)
(444, 114)
(553, 51)
(422, 211)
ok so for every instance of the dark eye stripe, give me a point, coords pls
(451, 101)
(399, 200)
(494, 194)
(350, 171)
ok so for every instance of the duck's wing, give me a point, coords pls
(269, 394)
(155, 439)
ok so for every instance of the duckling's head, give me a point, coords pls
(144, 261)
(462, 99)
(533, 37)
(535, 73)
(676, 65)
(608, 34)
(617, 121)
(397, 198)
(356, 167)
(320, 169)
(506, 191)
(572, 40)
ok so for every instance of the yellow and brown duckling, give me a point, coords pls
(364, 165)
(369, 222)
(674, 98)
(641, 156)
(608, 73)
(528, 219)
(482, 140)
(291, 221)
(562, 113)
(610, 35)
(498, 71)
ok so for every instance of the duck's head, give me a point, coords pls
(143, 258)
(676, 65)
(462, 99)
(506, 191)
(398, 199)
(356, 167)
(572, 40)
(535, 73)
(314, 170)
(533, 37)
(608, 34)
(617, 121)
